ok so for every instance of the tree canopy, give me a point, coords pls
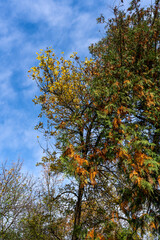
(102, 118)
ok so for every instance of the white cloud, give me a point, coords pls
(3, 26)
(6, 90)
(19, 138)
(52, 12)
(9, 40)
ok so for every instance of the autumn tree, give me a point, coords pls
(73, 120)
(128, 88)
(104, 115)
(66, 101)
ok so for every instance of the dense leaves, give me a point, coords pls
(105, 115)
(130, 79)
(101, 117)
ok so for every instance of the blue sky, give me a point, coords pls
(26, 27)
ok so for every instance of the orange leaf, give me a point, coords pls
(152, 225)
(115, 123)
(100, 237)
(90, 234)
(126, 81)
(159, 180)
(133, 174)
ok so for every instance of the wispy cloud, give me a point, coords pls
(7, 91)
(53, 13)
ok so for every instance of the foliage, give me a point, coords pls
(104, 115)
(128, 89)
(101, 116)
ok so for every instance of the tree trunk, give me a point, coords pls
(77, 216)
(156, 141)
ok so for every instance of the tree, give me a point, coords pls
(104, 114)
(129, 77)
(15, 197)
(48, 216)
(66, 102)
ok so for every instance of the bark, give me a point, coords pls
(77, 217)
(156, 141)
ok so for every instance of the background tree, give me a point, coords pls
(15, 197)
(50, 212)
